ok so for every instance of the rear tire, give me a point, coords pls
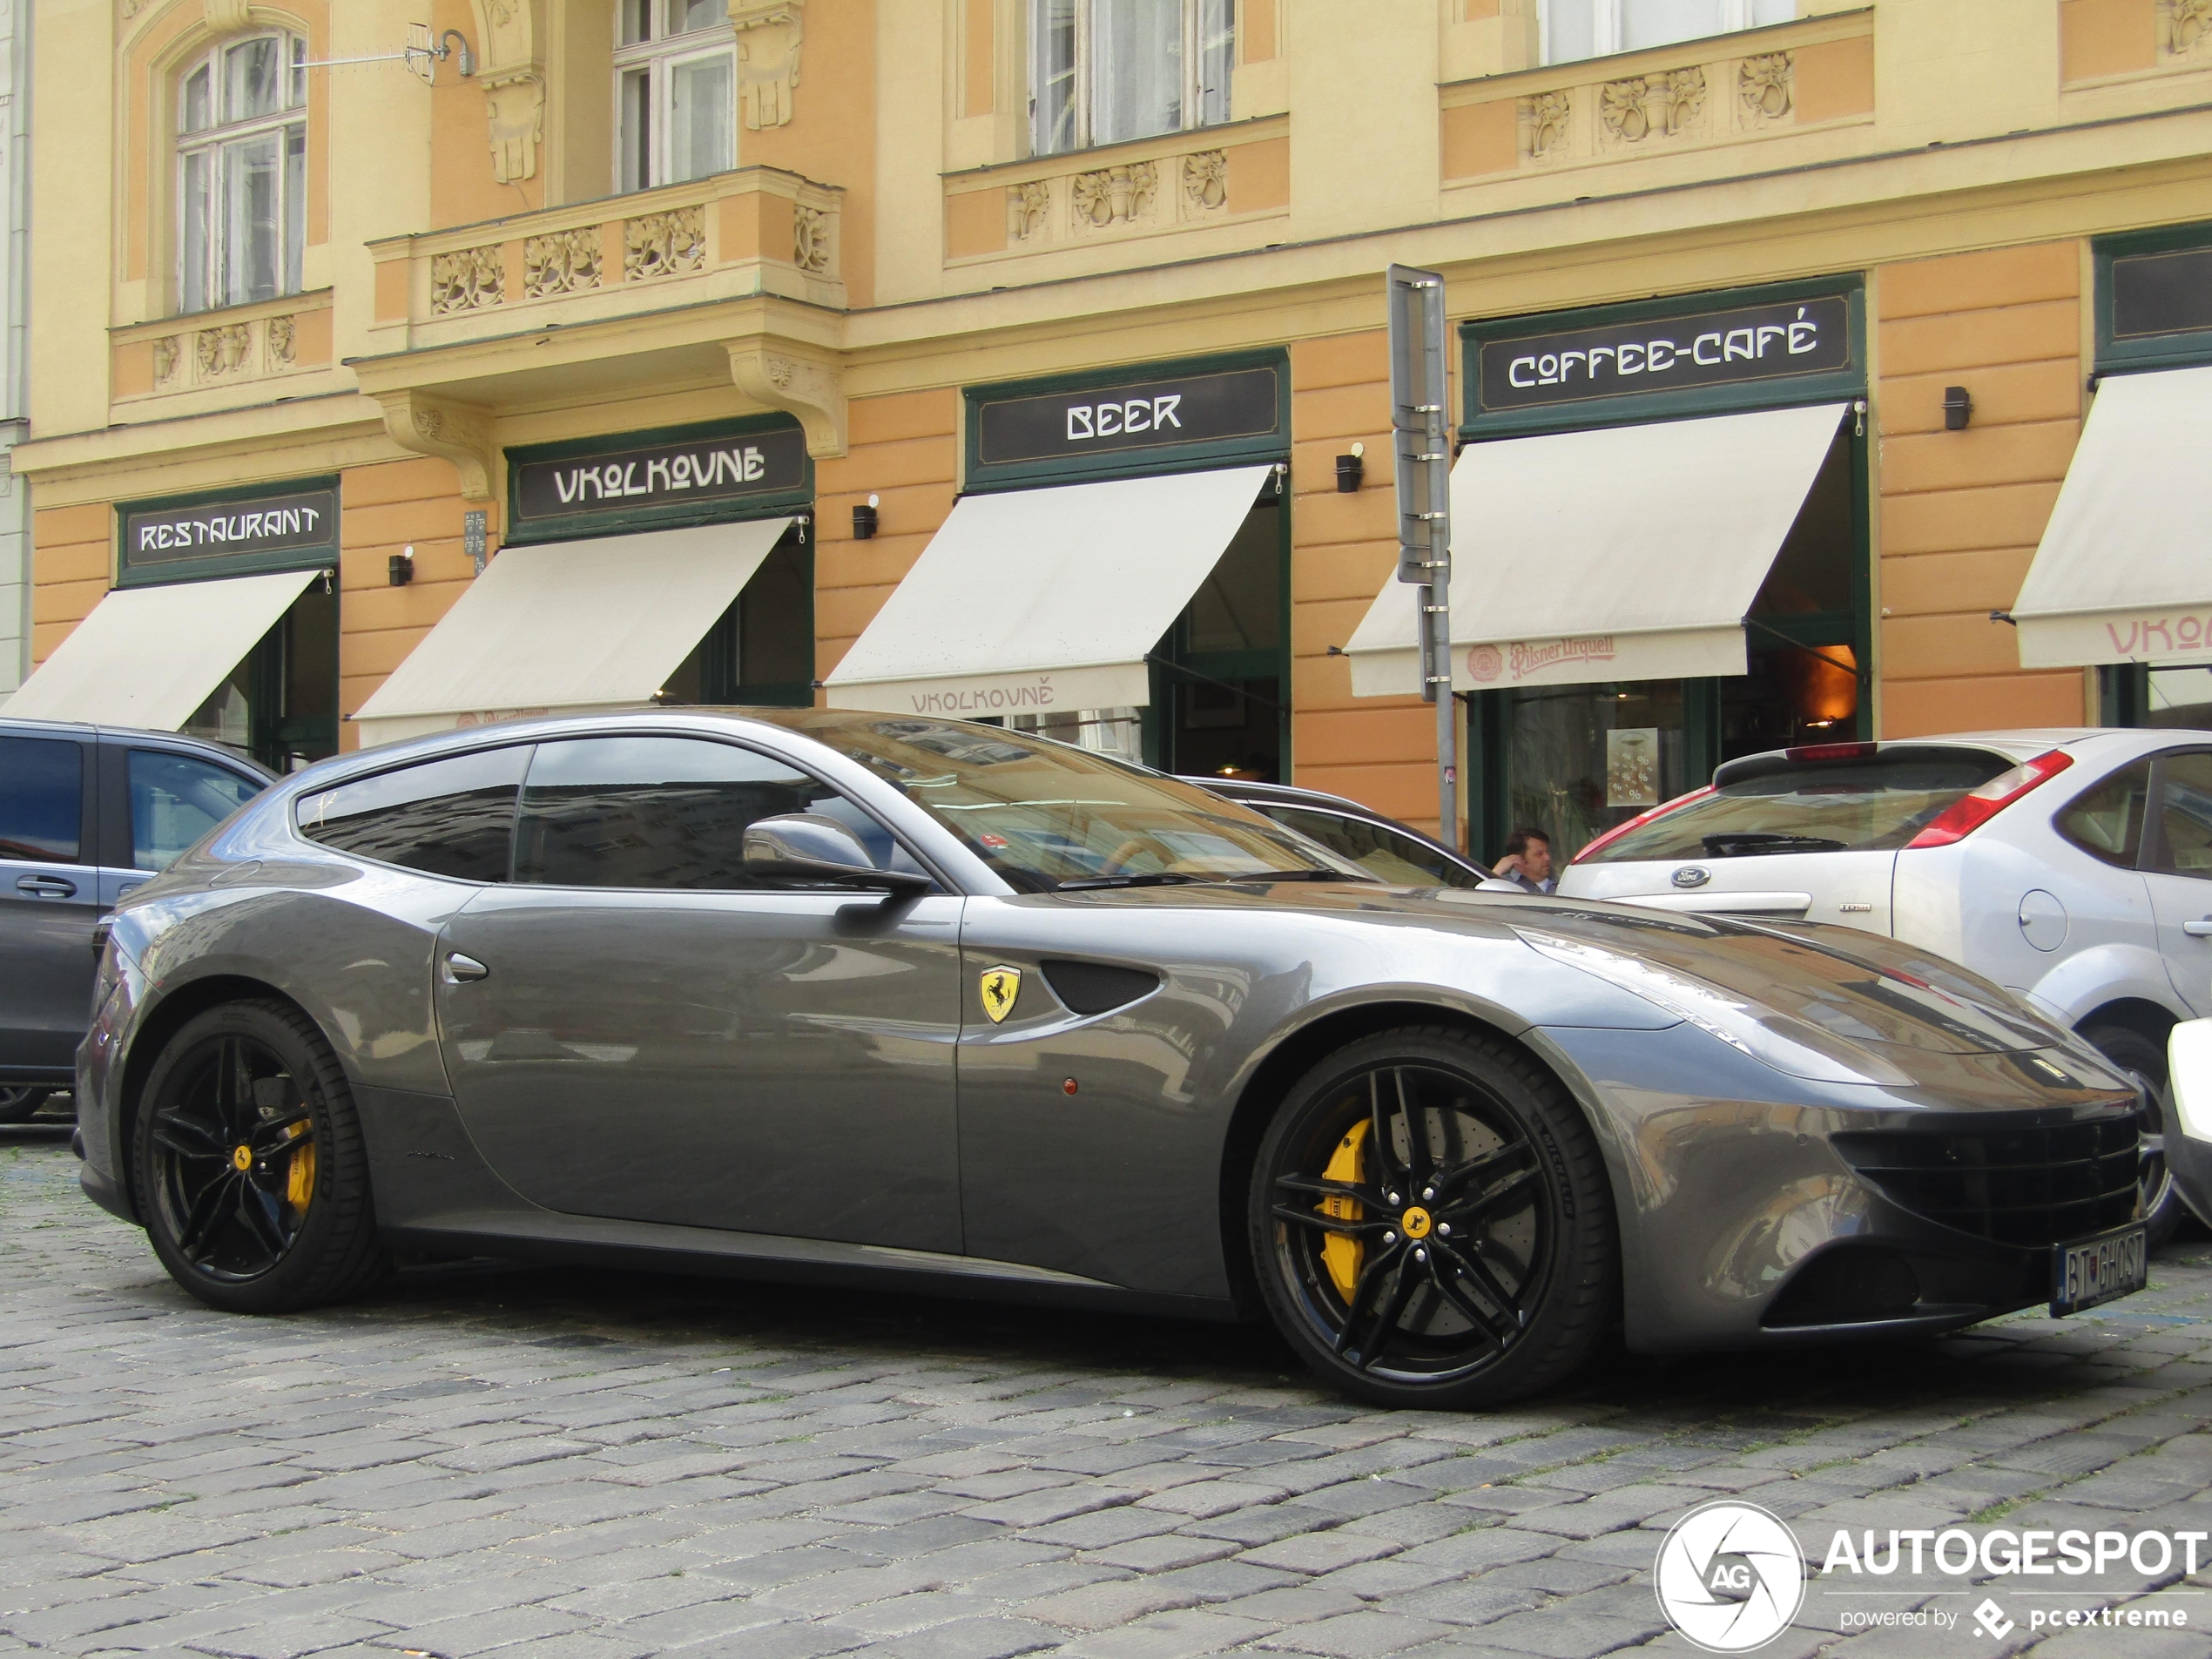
(2144, 1060)
(249, 1165)
(21, 1104)
(1431, 1223)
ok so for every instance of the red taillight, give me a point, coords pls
(1817, 752)
(1969, 812)
(1640, 820)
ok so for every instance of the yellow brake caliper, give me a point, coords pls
(1340, 1254)
(299, 1179)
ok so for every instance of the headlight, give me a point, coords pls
(1794, 1046)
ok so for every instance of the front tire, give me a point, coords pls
(2145, 1061)
(250, 1168)
(1430, 1222)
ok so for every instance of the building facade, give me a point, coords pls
(1025, 361)
(15, 292)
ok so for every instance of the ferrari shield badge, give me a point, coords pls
(1000, 987)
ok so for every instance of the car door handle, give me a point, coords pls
(46, 886)
(461, 970)
(2198, 929)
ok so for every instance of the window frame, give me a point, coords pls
(657, 58)
(1608, 26)
(294, 820)
(213, 142)
(2154, 855)
(1080, 136)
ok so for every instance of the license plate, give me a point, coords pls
(2097, 1269)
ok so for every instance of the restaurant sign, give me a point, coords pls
(272, 529)
(1708, 348)
(704, 476)
(1113, 420)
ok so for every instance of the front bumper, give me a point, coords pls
(1758, 1210)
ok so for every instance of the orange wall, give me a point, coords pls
(383, 510)
(905, 451)
(1961, 512)
(1381, 751)
(73, 552)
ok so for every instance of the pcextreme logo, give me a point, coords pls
(1730, 1576)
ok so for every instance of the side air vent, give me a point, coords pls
(1096, 988)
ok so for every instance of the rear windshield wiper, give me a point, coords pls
(1149, 879)
(1730, 844)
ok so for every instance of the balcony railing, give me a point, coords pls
(757, 231)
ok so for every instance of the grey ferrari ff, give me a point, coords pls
(861, 999)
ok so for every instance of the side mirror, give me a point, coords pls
(808, 847)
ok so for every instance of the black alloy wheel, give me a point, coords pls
(19, 1104)
(2144, 1061)
(1432, 1223)
(251, 1174)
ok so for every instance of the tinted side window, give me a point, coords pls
(663, 812)
(42, 799)
(1394, 858)
(451, 817)
(176, 800)
(2183, 846)
(2106, 822)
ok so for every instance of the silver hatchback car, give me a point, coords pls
(2072, 867)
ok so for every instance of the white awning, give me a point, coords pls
(2124, 573)
(1045, 598)
(569, 625)
(150, 656)
(1618, 553)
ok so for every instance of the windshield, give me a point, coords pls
(1869, 803)
(1046, 816)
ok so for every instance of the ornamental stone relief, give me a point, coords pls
(1766, 85)
(810, 240)
(2184, 28)
(1205, 180)
(467, 279)
(283, 341)
(223, 350)
(770, 34)
(561, 262)
(1120, 195)
(658, 245)
(1545, 125)
(167, 354)
(1666, 104)
(1028, 210)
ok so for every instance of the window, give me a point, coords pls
(42, 785)
(676, 78)
(242, 173)
(2106, 822)
(451, 817)
(2184, 840)
(176, 800)
(1385, 854)
(663, 812)
(1574, 29)
(1104, 70)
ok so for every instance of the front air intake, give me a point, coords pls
(1097, 988)
(2026, 1186)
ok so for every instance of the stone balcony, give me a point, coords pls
(754, 232)
(735, 278)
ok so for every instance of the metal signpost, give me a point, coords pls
(1420, 423)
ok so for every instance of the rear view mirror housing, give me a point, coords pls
(811, 846)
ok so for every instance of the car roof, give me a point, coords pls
(1289, 795)
(14, 725)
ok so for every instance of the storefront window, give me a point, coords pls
(761, 651)
(280, 703)
(1219, 692)
(1582, 759)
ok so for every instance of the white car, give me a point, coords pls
(2072, 867)
(2190, 1067)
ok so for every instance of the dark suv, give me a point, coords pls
(86, 813)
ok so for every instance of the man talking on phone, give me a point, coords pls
(1527, 862)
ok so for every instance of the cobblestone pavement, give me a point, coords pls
(601, 1466)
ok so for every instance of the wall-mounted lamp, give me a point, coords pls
(864, 519)
(1350, 468)
(1957, 409)
(399, 570)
